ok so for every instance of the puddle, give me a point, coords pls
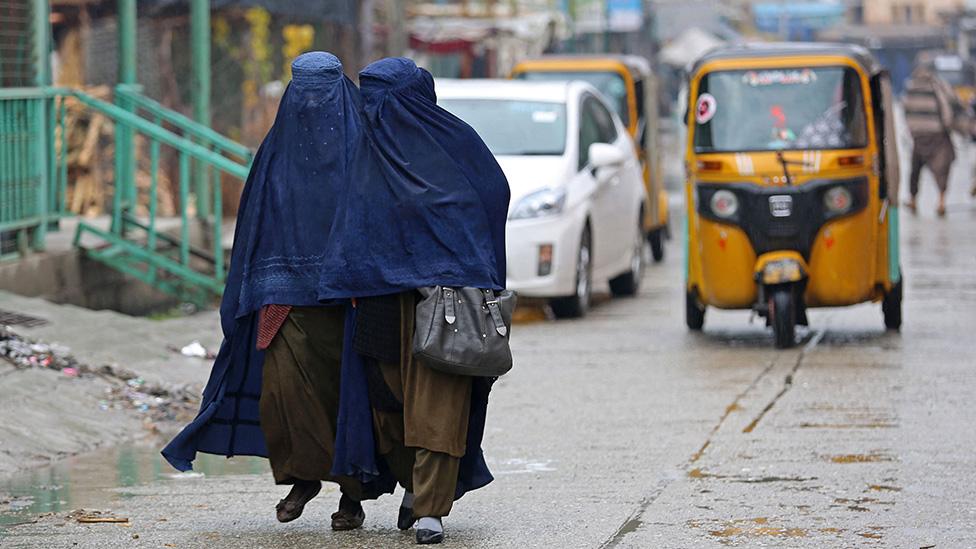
(529, 314)
(94, 480)
(871, 425)
(755, 527)
(861, 458)
(518, 466)
(699, 473)
(883, 488)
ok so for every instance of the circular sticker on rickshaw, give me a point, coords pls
(705, 109)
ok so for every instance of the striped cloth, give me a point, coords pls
(270, 320)
(928, 108)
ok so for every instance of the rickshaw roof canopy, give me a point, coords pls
(756, 50)
(635, 64)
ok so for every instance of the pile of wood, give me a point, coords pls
(91, 162)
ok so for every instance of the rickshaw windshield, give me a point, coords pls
(780, 109)
(609, 83)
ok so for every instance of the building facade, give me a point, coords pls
(908, 12)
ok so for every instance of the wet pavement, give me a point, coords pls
(625, 430)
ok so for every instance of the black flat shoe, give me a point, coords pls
(347, 520)
(292, 506)
(429, 537)
(349, 516)
(405, 518)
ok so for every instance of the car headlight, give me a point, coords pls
(838, 200)
(724, 204)
(540, 204)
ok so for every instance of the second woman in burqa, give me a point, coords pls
(426, 206)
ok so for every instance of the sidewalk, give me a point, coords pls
(46, 414)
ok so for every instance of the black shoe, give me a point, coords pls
(429, 537)
(301, 493)
(349, 516)
(405, 518)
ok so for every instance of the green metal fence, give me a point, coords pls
(188, 260)
(32, 175)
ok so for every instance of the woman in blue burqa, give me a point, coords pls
(332, 212)
(275, 386)
(429, 208)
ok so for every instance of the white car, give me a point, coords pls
(575, 215)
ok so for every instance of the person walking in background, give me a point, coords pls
(275, 386)
(429, 210)
(930, 107)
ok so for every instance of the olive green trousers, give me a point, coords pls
(424, 444)
(300, 397)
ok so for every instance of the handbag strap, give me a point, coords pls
(450, 313)
(494, 309)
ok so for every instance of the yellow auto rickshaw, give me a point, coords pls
(792, 184)
(631, 88)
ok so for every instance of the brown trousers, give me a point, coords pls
(935, 151)
(423, 445)
(300, 397)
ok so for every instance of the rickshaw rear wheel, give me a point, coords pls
(656, 239)
(694, 312)
(782, 313)
(891, 306)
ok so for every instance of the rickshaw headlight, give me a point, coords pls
(724, 204)
(838, 200)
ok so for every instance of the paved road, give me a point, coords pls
(624, 430)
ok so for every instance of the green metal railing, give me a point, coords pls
(32, 173)
(137, 246)
(34, 180)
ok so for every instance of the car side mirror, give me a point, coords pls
(605, 155)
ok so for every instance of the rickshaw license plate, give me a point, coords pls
(781, 205)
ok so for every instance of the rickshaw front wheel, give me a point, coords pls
(694, 312)
(782, 316)
(891, 306)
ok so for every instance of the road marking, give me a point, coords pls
(634, 522)
(788, 380)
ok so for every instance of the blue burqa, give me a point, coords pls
(428, 202)
(426, 206)
(287, 208)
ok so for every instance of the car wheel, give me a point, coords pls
(656, 239)
(575, 306)
(628, 283)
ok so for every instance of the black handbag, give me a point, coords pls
(464, 331)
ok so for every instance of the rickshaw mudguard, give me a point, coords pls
(724, 260)
(780, 267)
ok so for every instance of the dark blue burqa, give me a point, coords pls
(287, 208)
(428, 202)
(426, 206)
(314, 154)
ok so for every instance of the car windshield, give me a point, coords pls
(610, 84)
(794, 108)
(514, 127)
